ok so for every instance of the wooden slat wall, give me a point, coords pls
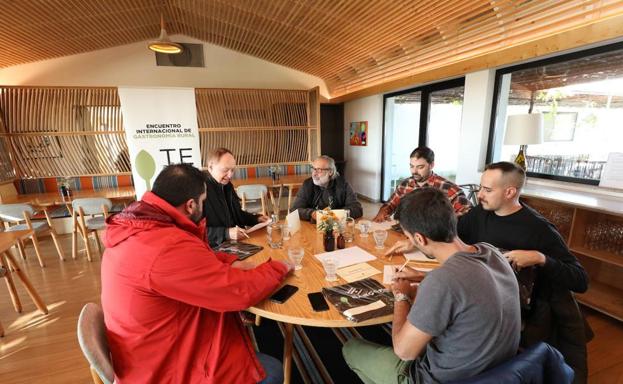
(53, 132)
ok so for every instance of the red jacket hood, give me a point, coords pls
(150, 212)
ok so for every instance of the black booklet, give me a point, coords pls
(242, 250)
(347, 298)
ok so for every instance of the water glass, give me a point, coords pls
(330, 268)
(286, 232)
(380, 235)
(364, 227)
(349, 229)
(295, 254)
(275, 235)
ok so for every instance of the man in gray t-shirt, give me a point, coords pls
(470, 307)
(466, 318)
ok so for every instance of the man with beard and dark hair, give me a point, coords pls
(170, 301)
(466, 316)
(326, 188)
(422, 161)
(502, 220)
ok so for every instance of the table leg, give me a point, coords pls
(29, 288)
(287, 352)
(10, 284)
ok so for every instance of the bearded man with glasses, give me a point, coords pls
(326, 188)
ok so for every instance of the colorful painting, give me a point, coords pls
(359, 133)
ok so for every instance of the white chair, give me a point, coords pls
(18, 217)
(97, 208)
(254, 194)
(94, 345)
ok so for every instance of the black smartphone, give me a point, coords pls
(283, 294)
(317, 301)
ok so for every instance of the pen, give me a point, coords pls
(403, 266)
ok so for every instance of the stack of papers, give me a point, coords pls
(357, 272)
(347, 256)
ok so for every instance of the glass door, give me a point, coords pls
(402, 130)
(429, 115)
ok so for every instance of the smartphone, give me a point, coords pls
(317, 301)
(283, 294)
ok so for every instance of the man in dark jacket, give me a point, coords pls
(225, 219)
(326, 188)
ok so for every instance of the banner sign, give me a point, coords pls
(161, 129)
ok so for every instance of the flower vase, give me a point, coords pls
(328, 240)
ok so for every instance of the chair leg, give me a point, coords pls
(85, 236)
(35, 243)
(98, 241)
(74, 243)
(20, 248)
(57, 245)
(10, 284)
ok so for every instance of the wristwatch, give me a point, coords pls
(399, 296)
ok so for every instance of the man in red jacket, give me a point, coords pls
(170, 301)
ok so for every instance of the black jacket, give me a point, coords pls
(222, 210)
(338, 195)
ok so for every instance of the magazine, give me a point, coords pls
(242, 250)
(361, 300)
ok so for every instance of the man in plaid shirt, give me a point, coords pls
(422, 176)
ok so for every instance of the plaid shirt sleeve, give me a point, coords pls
(402, 189)
(457, 198)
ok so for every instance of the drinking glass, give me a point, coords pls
(275, 235)
(349, 230)
(295, 254)
(380, 235)
(364, 227)
(330, 268)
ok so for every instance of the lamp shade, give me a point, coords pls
(524, 129)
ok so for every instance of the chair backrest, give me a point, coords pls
(252, 191)
(91, 205)
(471, 191)
(540, 363)
(92, 339)
(15, 212)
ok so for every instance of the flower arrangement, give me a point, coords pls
(328, 221)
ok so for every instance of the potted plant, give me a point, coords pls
(328, 223)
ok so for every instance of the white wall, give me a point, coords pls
(363, 167)
(477, 101)
(135, 65)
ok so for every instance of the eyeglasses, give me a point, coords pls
(320, 170)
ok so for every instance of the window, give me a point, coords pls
(581, 98)
(429, 115)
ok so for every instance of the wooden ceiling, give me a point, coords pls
(351, 44)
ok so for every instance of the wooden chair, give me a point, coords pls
(17, 217)
(254, 193)
(94, 345)
(97, 208)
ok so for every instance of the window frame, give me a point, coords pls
(538, 63)
(424, 114)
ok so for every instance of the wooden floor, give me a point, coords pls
(44, 349)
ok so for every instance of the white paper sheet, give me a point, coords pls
(357, 272)
(390, 270)
(347, 256)
(364, 308)
(294, 221)
(257, 226)
(613, 173)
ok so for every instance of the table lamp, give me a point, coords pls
(522, 130)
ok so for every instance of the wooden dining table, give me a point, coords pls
(311, 278)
